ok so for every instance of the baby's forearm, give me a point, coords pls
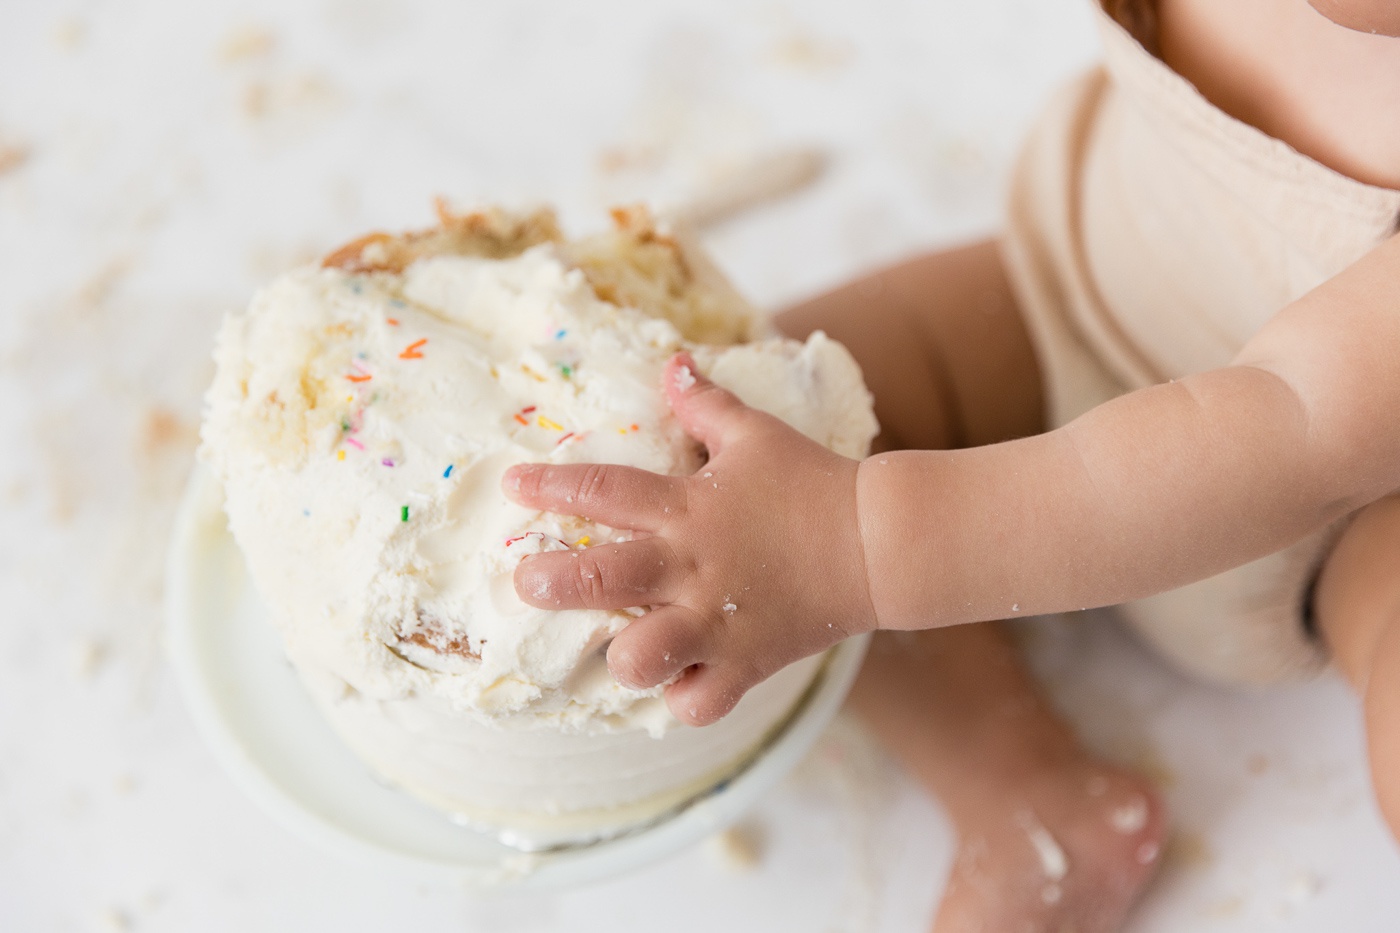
(1153, 490)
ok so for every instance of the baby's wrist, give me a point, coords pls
(898, 515)
(871, 498)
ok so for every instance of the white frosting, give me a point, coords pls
(360, 425)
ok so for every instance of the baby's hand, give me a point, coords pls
(751, 563)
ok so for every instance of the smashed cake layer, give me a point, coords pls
(637, 264)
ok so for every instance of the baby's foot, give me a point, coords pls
(1065, 851)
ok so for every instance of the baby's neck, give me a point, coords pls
(1330, 92)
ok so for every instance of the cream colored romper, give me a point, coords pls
(1149, 236)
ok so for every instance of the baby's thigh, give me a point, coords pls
(1250, 625)
(1358, 613)
(943, 347)
(1358, 590)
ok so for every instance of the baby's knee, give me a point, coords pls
(1357, 608)
(1382, 702)
(1357, 596)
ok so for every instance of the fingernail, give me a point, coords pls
(623, 681)
(510, 482)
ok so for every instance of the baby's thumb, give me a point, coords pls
(706, 411)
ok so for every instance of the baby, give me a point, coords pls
(1173, 384)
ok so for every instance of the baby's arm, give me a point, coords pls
(1159, 487)
(788, 548)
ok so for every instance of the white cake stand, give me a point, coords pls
(249, 705)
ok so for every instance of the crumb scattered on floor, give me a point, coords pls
(1149, 762)
(293, 99)
(1226, 907)
(114, 920)
(88, 656)
(739, 848)
(807, 52)
(1302, 888)
(246, 42)
(12, 156)
(161, 430)
(69, 32)
(625, 158)
(98, 287)
(1187, 849)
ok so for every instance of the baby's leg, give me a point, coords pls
(942, 346)
(1049, 838)
(947, 357)
(1358, 612)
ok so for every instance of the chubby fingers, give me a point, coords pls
(609, 576)
(678, 643)
(705, 694)
(661, 644)
(708, 413)
(614, 495)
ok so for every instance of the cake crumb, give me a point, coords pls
(1129, 818)
(12, 156)
(738, 848)
(1052, 858)
(622, 158)
(69, 33)
(162, 430)
(1302, 888)
(88, 656)
(115, 920)
(806, 52)
(244, 43)
(1187, 849)
(253, 100)
(1226, 907)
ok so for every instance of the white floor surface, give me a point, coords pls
(159, 160)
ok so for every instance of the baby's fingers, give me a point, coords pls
(658, 646)
(707, 693)
(616, 496)
(609, 576)
(708, 413)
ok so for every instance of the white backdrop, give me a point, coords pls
(158, 160)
